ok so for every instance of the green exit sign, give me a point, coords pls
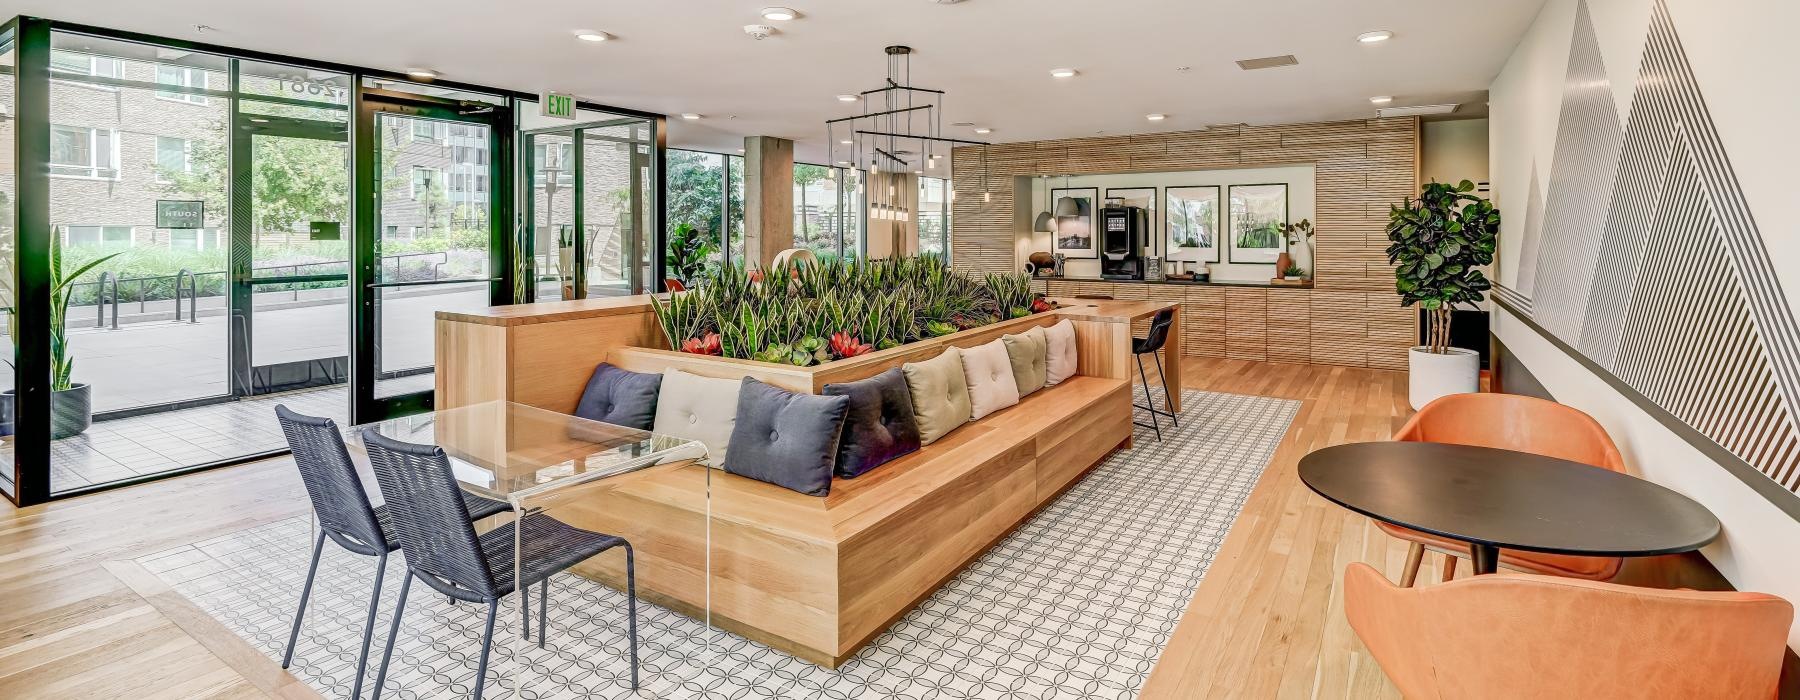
(559, 106)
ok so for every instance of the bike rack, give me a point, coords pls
(193, 281)
(101, 302)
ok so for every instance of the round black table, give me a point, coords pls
(1500, 499)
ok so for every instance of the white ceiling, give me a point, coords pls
(992, 56)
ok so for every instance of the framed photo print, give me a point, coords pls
(1142, 198)
(1075, 221)
(1258, 215)
(1191, 221)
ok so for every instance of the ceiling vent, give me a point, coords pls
(1415, 111)
(1270, 62)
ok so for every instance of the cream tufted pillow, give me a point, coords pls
(698, 408)
(1061, 362)
(940, 396)
(1029, 353)
(989, 373)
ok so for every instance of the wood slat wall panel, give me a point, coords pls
(1361, 167)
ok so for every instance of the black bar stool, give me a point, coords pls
(1152, 346)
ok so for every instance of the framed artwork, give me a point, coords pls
(1258, 214)
(1143, 198)
(1192, 223)
(1075, 230)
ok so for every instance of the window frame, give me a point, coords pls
(70, 77)
(186, 74)
(93, 165)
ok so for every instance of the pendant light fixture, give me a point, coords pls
(1043, 218)
(1065, 205)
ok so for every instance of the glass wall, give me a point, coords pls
(934, 216)
(8, 85)
(697, 216)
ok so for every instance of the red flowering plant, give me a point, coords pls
(845, 345)
(705, 345)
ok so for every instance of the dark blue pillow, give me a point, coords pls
(880, 425)
(620, 397)
(786, 439)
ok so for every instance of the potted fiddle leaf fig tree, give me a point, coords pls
(1438, 245)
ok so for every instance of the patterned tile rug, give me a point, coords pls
(1077, 603)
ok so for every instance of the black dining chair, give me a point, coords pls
(345, 515)
(443, 551)
(1152, 345)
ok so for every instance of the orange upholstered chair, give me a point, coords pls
(1526, 636)
(1520, 424)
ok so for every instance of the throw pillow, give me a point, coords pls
(989, 374)
(620, 397)
(1028, 352)
(697, 408)
(786, 439)
(940, 395)
(880, 424)
(1061, 361)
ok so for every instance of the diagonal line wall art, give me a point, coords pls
(1648, 261)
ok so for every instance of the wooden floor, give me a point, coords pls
(78, 620)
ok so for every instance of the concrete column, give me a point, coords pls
(768, 198)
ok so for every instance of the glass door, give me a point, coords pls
(434, 240)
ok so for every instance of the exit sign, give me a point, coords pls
(559, 106)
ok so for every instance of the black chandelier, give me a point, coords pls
(907, 115)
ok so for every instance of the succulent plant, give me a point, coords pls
(845, 345)
(705, 345)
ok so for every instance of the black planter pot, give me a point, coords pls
(71, 412)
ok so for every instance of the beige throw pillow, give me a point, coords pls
(1028, 352)
(1061, 361)
(990, 377)
(940, 395)
(698, 408)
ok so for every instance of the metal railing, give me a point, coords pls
(191, 280)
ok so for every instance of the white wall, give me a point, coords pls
(1454, 150)
(1301, 198)
(1739, 50)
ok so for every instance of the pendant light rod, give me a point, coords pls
(890, 156)
(878, 114)
(896, 86)
(921, 137)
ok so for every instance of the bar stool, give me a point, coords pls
(1151, 345)
(345, 516)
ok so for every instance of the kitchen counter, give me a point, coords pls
(1184, 283)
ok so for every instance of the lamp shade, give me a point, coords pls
(1043, 222)
(1068, 206)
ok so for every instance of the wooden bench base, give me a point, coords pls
(819, 577)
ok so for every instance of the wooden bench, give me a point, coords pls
(815, 577)
(820, 577)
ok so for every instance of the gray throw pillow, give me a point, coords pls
(1029, 353)
(620, 397)
(879, 426)
(786, 439)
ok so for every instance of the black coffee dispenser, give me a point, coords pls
(1124, 242)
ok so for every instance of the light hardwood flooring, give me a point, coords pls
(77, 619)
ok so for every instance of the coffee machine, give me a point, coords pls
(1124, 242)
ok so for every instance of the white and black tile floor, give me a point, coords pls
(1077, 603)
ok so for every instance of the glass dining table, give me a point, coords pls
(583, 472)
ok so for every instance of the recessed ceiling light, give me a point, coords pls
(1375, 37)
(1063, 72)
(1381, 99)
(844, 163)
(779, 14)
(422, 73)
(690, 116)
(984, 130)
(591, 35)
(918, 172)
(1156, 117)
(847, 142)
(848, 98)
(740, 150)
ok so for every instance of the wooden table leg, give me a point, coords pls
(1172, 361)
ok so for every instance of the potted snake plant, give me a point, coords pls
(71, 403)
(1438, 244)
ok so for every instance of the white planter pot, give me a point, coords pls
(1430, 375)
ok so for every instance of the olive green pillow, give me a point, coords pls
(940, 394)
(1029, 353)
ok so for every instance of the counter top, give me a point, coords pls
(1113, 310)
(549, 311)
(1183, 283)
